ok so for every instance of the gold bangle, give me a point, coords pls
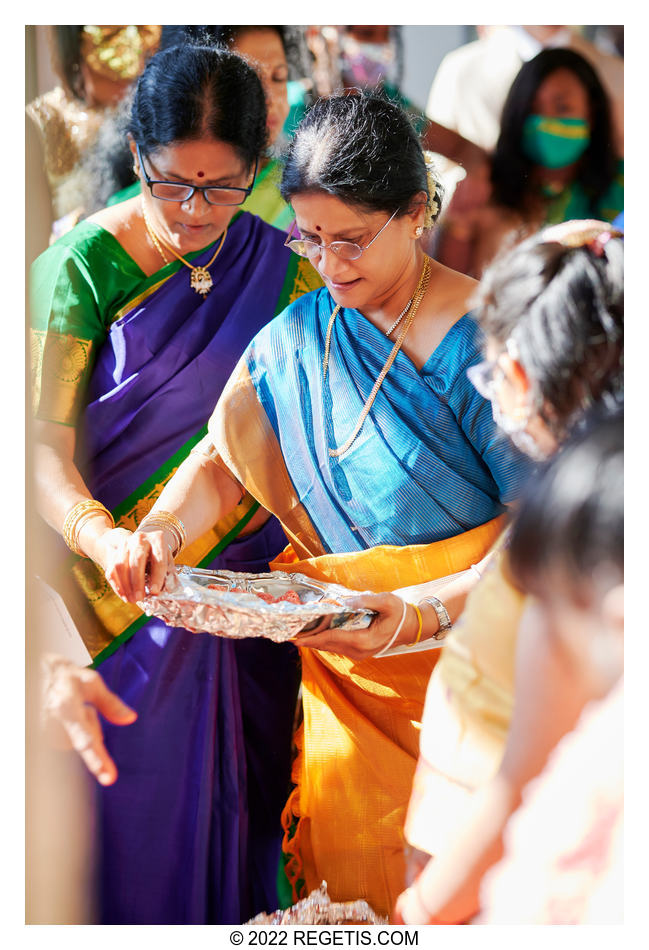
(77, 517)
(420, 620)
(167, 520)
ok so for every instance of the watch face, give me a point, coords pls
(442, 616)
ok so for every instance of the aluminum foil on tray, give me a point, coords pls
(278, 605)
(318, 909)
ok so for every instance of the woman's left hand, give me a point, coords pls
(361, 644)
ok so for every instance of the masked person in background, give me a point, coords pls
(555, 161)
(372, 56)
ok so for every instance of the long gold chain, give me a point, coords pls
(200, 277)
(153, 237)
(418, 296)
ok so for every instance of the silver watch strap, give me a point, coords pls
(442, 615)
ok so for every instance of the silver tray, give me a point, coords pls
(241, 613)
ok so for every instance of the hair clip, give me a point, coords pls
(589, 233)
(597, 243)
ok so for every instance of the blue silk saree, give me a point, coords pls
(190, 832)
(419, 494)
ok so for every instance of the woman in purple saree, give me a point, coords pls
(129, 360)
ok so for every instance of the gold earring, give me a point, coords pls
(418, 232)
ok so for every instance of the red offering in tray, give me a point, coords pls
(290, 597)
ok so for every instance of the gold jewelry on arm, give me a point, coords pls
(76, 519)
(166, 521)
(442, 616)
(420, 621)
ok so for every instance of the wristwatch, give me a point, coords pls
(442, 615)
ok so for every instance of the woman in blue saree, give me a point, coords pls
(139, 316)
(352, 420)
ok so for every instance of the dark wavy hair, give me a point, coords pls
(189, 91)
(564, 308)
(511, 169)
(292, 38)
(571, 518)
(361, 148)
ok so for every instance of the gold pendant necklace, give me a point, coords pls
(417, 298)
(200, 278)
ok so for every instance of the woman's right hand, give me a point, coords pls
(135, 563)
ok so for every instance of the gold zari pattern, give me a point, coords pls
(306, 280)
(59, 365)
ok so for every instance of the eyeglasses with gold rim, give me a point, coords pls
(345, 250)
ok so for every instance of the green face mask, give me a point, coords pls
(554, 142)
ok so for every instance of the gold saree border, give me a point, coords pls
(305, 280)
(59, 363)
(246, 442)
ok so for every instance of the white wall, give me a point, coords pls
(424, 48)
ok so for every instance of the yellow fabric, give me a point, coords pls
(359, 740)
(468, 709)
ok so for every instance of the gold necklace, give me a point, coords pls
(417, 298)
(200, 279)
(151, 234)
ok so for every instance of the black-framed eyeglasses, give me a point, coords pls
(213, 194)
(346, 250)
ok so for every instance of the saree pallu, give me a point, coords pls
(417, 496)
(190, 832)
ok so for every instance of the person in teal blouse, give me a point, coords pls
(555, 160)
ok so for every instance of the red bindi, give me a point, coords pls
(318, 228)
(200, 174)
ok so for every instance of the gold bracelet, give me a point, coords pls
(420, 619)
(77, 517)
(166, 520)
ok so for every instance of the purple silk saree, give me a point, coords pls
(190, 832)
